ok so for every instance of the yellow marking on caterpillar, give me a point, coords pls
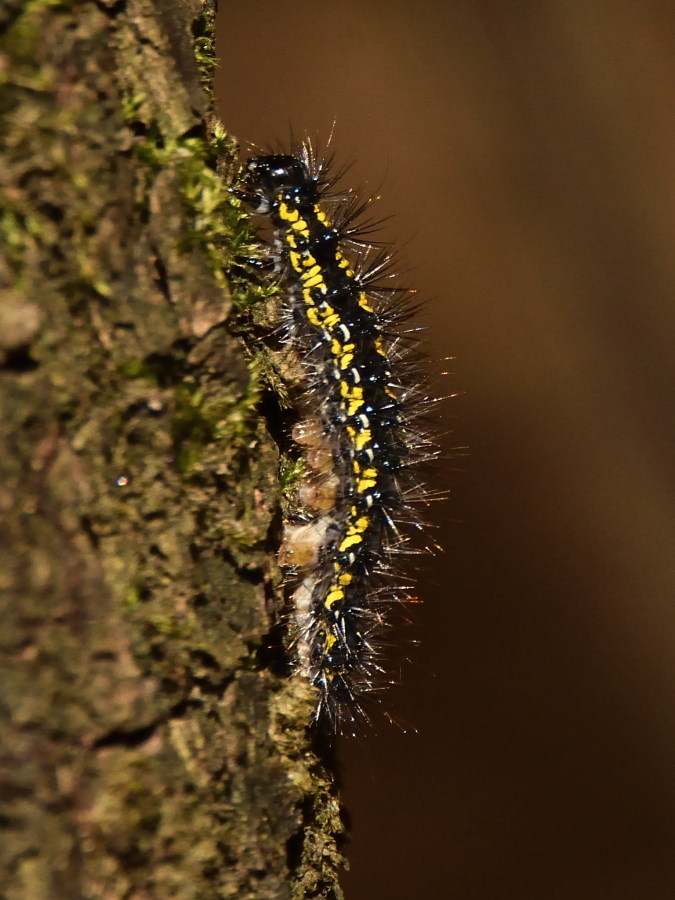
(330, 320)
(363, 303)
(301, 227)
(330, 641)
(347, 356)
(354, 535)
(351, 390)
(363, 439)
(363, 485)
(288, 213)
(361, 524)
(351, 540)
(354, 396)
(334, 595)
(314, 281)
(311, 273)
(343, 263)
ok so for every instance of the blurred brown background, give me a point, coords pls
(527, 151)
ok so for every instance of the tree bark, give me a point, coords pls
(152, 747)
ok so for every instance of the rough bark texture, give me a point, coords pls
(149, 750)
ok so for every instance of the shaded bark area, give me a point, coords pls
(149, 749)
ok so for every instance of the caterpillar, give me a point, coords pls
(359, 412)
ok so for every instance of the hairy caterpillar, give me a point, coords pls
(359, 413)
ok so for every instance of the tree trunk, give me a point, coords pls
(151, 748)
